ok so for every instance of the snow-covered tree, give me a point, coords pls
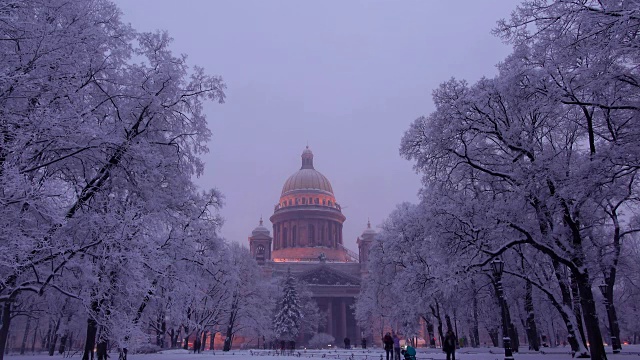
(289, 315)
(542, 156)
(251, 306)
(101, 132)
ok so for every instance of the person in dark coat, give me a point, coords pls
(387, 340)
(449, 345)
(347, 343)
(364, 343)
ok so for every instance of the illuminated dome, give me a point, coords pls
(307, 178)
(307, 221)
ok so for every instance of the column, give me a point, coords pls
(316, 228)
(275, 237)
(330, 318)
(340, 233)
(334, 234)
(343, 317)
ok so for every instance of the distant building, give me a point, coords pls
(307, 238)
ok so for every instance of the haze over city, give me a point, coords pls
(338, 179)
(344, 77)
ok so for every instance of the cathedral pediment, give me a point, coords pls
(324, 275)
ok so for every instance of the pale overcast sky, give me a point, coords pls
(347, 77)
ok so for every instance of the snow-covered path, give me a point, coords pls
(628, 353)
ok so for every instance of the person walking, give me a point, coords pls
(449, 345)
(387, 340)
(396, 346)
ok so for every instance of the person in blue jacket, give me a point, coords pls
(409, 353)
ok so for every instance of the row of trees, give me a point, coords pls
(535, 166)
(103, 234)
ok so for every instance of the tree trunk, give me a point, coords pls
(576, 338)
(159, 331)
(610, 280)
(213, 335)
(530, 323)
(23, 346)
(232, 320)
(52, 344)
(515, 339)
(4, 329)
(447, 320)
(573, 319)
(614, 326)
(432, 339)
(70, 342)
(90, 341)
(475, 333)
(101, 350)
(63, 343)
(47, 338)
(176, 336)
(185, 345)
(493, 334)
(577, 307)
(590, 316)
(228, 338)
(35, 333)
(436, 313)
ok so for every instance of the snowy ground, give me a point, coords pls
(628, 352)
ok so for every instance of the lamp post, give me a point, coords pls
(497, 266)
(613, 321)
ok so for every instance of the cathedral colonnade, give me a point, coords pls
(341, 322)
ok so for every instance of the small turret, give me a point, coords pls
(364, 246)
(260, 243)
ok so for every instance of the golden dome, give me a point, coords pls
(307, 179)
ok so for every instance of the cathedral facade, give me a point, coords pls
(307, 239)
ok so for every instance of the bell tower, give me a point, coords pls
(364, 246)
(260, 244)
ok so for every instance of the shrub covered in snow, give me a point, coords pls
(321, 340)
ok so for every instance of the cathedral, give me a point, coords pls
(307, 239)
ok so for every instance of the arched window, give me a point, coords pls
(317, 201)
(304, 201)
(324, 202)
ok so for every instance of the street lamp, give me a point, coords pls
(615, 342)
(497, 266)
